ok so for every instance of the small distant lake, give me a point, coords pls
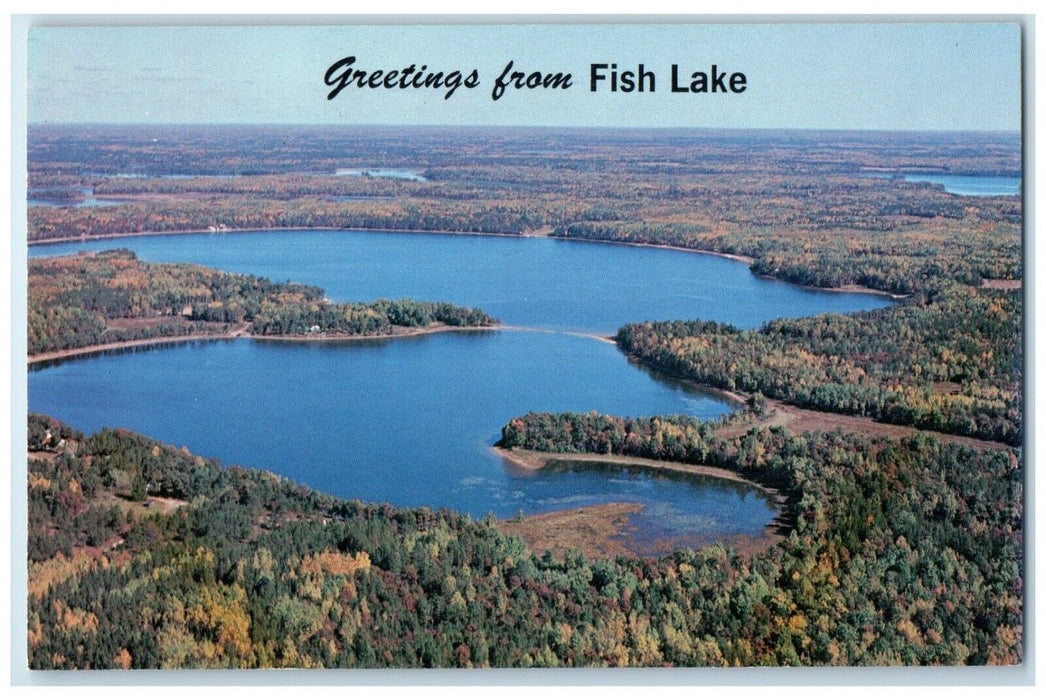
(969, 185)
(394, 174)
(85, 198)
(411, 421)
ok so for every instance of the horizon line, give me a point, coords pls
(590, 127)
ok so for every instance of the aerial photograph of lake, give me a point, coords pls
(437, 352)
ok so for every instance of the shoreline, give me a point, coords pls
(190, 231)
(737, 257)
(600, 529)
(536, 233)
(242, 333)
(845, 289)
(53, 355)
(662, 246)
(406, 332)
(532, 460)
(798, 419)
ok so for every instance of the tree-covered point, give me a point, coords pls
(950, 361)
(90, 299)
(145, 556)
(886, 256)
(668, 438)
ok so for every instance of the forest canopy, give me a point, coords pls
(950, 362)
(826, 209)
(142, 555)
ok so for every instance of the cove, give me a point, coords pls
(410, 421)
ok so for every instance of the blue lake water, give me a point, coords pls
(970, 185)
(45, 198)
(77, 204)
(411, 421)
(394, 174)
(539, 282)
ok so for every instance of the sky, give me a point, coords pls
(906, 76)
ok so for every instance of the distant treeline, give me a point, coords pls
(82, 300)
(231, 150)
(902, 552)
(802, 205)
(950, 362)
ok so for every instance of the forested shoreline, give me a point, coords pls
(950, 362)
(146, 556)
(88, 300)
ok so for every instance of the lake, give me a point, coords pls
(43, 197)
(394, 174)
(970, 185)
(534, 282)
(410, 421)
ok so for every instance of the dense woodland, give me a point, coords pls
(809, 207)
(951, 361)
(145, 556)
(899, 551)
(89, 299)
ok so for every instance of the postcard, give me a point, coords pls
(536, 345)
